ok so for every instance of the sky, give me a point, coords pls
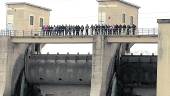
(86, 12)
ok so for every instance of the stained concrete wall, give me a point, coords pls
(163, 71)
(10, 57)
(3, 62)
(102, 66)
(58, 72)
(103, 57)
(52, 67)
(145, 91)
(65, 90)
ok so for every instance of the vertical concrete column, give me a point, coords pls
(3, 62)
(163, 70)
(103, 58)
(14, 65)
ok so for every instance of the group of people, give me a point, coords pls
(80, 30)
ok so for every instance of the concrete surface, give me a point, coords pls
(3, 62)
(13, 64)
(163, 78)
(65, 90)
(84, 39)
(145, 91)
(48, 69)
(133, 39)
(103, 57)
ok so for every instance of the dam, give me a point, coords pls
(37, 74)
(108, 71)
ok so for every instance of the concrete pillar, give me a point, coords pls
(3, 62)
(11, 63)
(163, 71)
(103, 57)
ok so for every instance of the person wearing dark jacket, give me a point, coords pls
(82, 29)
(69, 30)
(128, 29)
(95, 28)
(120, 29)
(77, 30)
(92, 29)
(102, 29)
(48, 31)
(116, 29)
(87, 29)
(56, 30)
(105, 29)
(51, 30)
(74, 30)
(124, 28)
(133, 29)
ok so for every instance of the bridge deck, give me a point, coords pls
(85, 39)
(143, 35)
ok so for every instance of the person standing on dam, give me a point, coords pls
(53, 30)
(124, 28)
(50, 30)
(128, 29)
(87, 29)
(116, 29)
(56, 30)
(133, 29)
(73, 30)
(92, 29)
(82, 29)
(43, 29)
(77, 27)
(120, 29)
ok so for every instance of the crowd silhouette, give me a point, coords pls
(80, 30)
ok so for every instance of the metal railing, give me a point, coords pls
(147, 31)
(31, 33)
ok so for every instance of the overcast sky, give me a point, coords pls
(86, 11)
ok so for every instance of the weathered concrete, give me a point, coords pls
(49, 39)
(65, 90)
(163, 78)
(103, 56)
(84, 39)
(46, 70)
(3, 62)
(145, 91)
(11, 63)
(62, 75)
(133, 39)
(59, 69)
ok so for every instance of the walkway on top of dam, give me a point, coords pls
(143, 35)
